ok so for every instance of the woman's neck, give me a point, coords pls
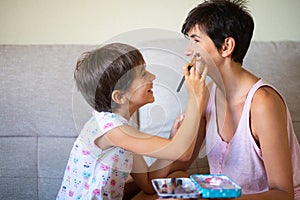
(235, 82)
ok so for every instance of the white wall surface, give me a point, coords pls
(95, 21)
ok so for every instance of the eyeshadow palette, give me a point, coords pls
(216, 186)
(175, 188)
(198, 185)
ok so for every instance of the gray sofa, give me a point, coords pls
(41, 113)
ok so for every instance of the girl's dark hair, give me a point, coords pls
(220, 19)
(101, 71)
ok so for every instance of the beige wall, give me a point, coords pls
(95, 21)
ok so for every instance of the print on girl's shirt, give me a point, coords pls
(113, 182)
(96, 192)
(75, 160)
(85, 152)
(115, 158)
(71, 193)
(108, 125)
(86, 186)
(92, 172)
(104, 167)
(86, 175)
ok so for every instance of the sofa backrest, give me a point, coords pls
(41, 112)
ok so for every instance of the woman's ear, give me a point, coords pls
(228, 47)
(118, 97)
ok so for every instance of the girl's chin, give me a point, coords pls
(153, 99)
(150, 101)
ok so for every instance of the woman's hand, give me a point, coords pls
(177, 123)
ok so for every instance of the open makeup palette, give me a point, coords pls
(198, 185)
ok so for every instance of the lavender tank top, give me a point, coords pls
(241, 158)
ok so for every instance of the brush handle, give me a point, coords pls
(182, 80)
(180, 84)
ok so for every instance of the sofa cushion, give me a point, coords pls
(278, 63)
(18, 157)
(53, 156)
(14, 188)
(37, 88)
(42, 113)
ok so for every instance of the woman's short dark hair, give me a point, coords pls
(101, 71)
(220, 19)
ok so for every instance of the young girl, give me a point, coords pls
(114, 81)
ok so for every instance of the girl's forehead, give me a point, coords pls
(140, 67)
(137, 69)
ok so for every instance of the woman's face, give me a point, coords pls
(201, 45)
(140, 92)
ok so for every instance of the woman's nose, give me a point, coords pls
(189, 50)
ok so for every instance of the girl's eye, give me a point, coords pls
(144, 72)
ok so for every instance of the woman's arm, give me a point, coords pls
(269, 128)
(142, 174)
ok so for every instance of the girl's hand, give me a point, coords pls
(177, 123)
(195, 83)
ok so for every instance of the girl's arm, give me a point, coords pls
(141, 143)
(163, 168)
(142, 174)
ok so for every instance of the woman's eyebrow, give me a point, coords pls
(194, 36)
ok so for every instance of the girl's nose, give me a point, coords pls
(152, 76)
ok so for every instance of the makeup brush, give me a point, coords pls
(193, 61)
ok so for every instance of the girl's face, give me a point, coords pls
(140, 92)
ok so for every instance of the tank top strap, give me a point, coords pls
(251, 93)
(212, 98)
